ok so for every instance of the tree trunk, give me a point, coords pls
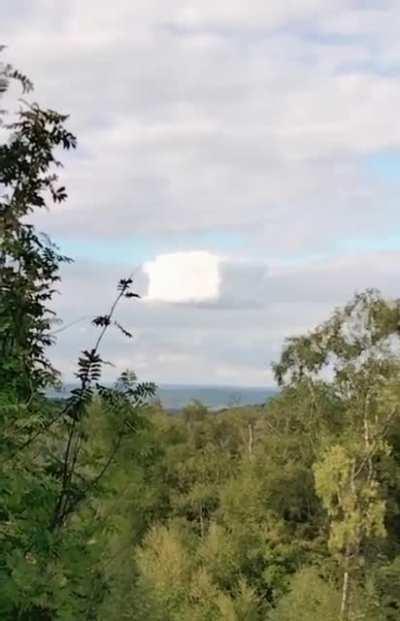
(344, 606)
(201, 522)
(251, 441)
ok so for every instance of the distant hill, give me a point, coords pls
(176, 396)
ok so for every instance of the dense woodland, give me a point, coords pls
(111, 508)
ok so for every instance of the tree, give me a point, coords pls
(359, 349)
(310, 597)
(55, 463)
(29, 262)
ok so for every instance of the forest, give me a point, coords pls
(113, 509)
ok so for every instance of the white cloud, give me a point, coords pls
(231, 339)
(252, 14)
(183, 277)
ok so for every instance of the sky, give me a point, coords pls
(239, 159)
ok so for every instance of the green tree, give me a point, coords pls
(29, 262)
(55, 460)
(358, 348)
(310, 598)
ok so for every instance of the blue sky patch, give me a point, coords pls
(385, 165)
(140, 248)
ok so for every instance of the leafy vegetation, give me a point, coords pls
(110, 508)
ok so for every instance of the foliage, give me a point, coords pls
(55, 459)
(288, 511)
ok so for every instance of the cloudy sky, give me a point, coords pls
(239, 158)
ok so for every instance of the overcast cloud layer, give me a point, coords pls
(241, 159)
